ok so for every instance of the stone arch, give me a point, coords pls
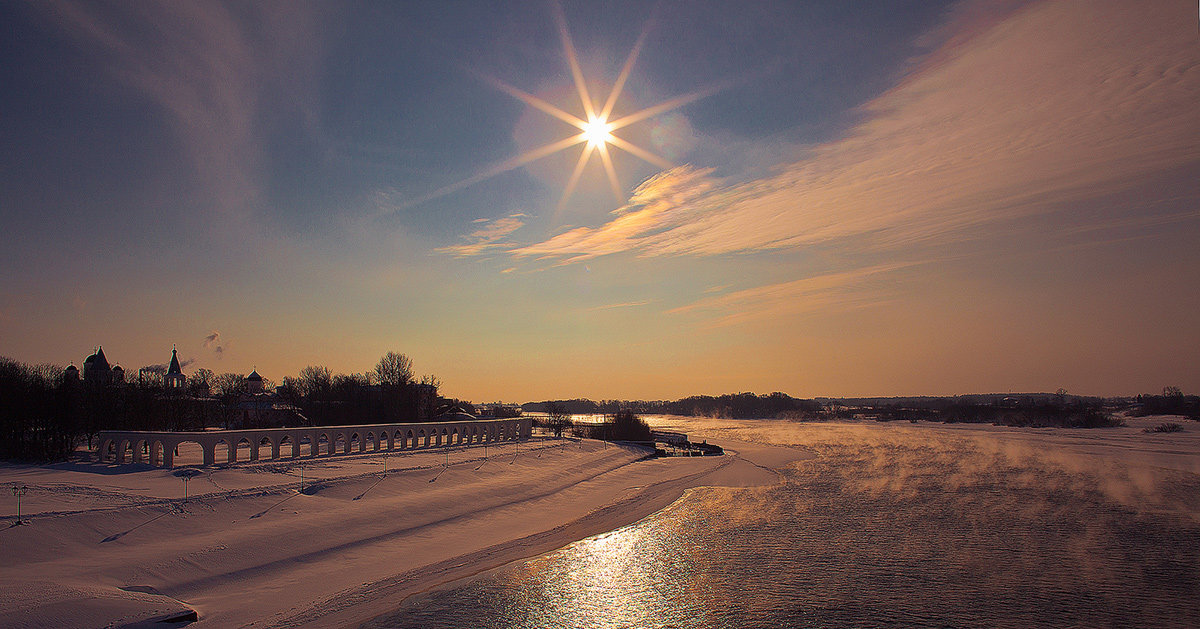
(230, 449)
(106, 451)
(287, 439)
(141, 450)
(322, 439)
(356, 438)
(370, 438)
(123, 447)
(340, 443)
(156, 453)
(411, 439)
(186, 452)
(249, 451)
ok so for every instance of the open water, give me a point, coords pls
(902, 528)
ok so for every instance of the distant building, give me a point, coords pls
(174, 380)
(96, 371)
(254, 383)
(71, 374)
(255, 408)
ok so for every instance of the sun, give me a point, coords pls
(596, 132)
(596, 128)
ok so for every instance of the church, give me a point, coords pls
(97, 372)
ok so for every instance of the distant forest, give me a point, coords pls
(1022, 409)
(733, 405)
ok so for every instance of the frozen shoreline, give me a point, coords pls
(249, 550)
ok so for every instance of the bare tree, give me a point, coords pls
(314, 381)
(394, 369)
(228, 383)
(557, 418)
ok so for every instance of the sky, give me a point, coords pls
(619, 200)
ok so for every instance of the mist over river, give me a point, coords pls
(906, 525)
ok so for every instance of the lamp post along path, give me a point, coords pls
(18, 492)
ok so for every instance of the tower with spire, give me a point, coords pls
(174, 380)
(96, 370)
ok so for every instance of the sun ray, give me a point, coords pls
(573, 59)
(574, 180)
(608, 168)
(534, 101)
(503, 167)
(639, 152)
(596, 129)
(663, 107)
(623, 76)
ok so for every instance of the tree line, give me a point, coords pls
(731, 406)
(45, 415)
(1058, 409)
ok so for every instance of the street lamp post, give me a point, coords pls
(18, 492)
(186, 475)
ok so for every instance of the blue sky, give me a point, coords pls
(850, 198)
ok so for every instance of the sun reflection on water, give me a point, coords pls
(637, 576)
(890, 531)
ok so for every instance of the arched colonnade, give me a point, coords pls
(158, 448)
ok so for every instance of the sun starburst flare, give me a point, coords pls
(596, 128)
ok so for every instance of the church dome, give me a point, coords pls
(97, 360)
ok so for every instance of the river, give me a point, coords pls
(887, 526)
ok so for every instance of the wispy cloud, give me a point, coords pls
(213, 69)
(1055, 103)
(829, 292)
(627, 304)
(489, 236)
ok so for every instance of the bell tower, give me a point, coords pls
(174, 380)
